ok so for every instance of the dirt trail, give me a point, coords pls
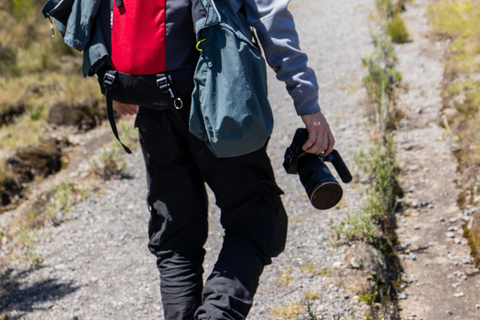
(442, 282)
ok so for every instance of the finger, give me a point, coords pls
(322, 144)
(331, 143)
(317, 147)
(312, 137)
(131, 109)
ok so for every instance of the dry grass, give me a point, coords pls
(285, 276)
(459, 21)
(289, 310)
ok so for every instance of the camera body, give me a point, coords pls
(322, 188)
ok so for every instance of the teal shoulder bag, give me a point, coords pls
(230, 109)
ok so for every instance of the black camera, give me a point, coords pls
(322, 188)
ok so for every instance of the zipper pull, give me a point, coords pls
(51, 26)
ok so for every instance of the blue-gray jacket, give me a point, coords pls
(271, 19)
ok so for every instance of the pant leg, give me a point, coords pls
(255, 224)
(178, 224)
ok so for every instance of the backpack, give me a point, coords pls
(138, 55)
(137, 72)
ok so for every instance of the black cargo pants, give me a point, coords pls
(252, 215)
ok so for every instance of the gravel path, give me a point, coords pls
(96, 265)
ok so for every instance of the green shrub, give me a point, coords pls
(357, 225)
(379, 161)
(62, 198)
(396, 30)
(23, 9)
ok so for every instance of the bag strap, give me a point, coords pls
(108, 80)
(164, 83)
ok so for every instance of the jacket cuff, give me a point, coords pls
(306, 103)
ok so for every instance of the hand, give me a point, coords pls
(320, 137)
(125, 109)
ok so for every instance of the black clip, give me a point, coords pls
(109, 78)
(164, 83)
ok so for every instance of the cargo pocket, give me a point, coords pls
(276, 218)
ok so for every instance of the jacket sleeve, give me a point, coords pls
(279, 40)
(95, 52)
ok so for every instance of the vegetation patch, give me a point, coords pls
(289, 310)
(381, 81)
(396, 30)
(459, 22)
(110, 162)
(37, 72)
(25, 249)
(62, 198)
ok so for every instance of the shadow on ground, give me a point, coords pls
(21, 298)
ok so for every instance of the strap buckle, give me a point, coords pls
(165, 84)
(109, 78)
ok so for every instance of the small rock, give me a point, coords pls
(453, 220)
(402, 296)
(466, 260)
(420, 284)
(449, 313)
(459, 294)
(321, 308)
(416, 227)
(457, 241)
(450, 234)
(477, 306)
(431, 244)
(442, 219)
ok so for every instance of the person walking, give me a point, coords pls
(179, 165)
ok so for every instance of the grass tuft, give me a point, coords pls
(396, 30)
(63, 197)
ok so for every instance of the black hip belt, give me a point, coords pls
(161, 91)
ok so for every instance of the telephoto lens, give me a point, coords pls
(322, 188)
